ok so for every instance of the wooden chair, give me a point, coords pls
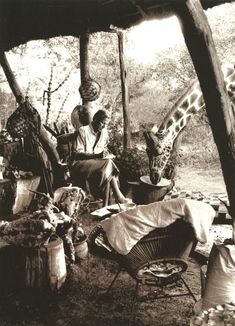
(65, 144)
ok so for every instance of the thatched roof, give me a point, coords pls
(25, 20)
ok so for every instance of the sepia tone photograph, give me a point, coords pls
(117, 162)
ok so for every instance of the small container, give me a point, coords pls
(81, 247)
(80, 231)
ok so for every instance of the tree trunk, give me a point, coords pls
(10, 76)
(198, 38)
(47, 144)
(125, 96)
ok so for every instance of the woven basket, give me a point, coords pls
(18, 125)
(174, 241)
(89, 90)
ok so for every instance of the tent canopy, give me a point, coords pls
(25, 20)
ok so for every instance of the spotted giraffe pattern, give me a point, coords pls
(160, 141)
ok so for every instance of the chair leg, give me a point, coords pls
(113, 281)
(189, 290)
(132, 319)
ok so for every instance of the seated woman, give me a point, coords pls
(91, 161)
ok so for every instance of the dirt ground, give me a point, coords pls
(83, 302)
(207, 179)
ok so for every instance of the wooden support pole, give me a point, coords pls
(84, 63)
(84, 59)
(125, 96)
(198, 38)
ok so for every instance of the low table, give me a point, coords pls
(219, 201)
(111, 209)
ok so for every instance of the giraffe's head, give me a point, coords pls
(158, 154)
(160, 141)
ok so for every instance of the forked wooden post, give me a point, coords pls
(198, 38)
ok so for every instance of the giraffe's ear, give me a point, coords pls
(154, 129)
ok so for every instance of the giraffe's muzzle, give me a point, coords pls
(155, 176)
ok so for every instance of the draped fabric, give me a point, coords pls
(126, 228)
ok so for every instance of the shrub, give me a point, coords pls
(132, 163)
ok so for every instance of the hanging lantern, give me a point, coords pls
(89, 90)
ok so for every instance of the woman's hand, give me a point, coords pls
(108, 155)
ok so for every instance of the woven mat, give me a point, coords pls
(217, 200)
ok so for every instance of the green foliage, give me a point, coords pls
(197, 147)
(8, 105)
(132, 162)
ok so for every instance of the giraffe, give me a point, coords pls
(160, 141)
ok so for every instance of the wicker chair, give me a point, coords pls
(170, 244)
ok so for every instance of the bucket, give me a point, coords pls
(81, 248)
(144, 192)
(45, 267)
(23, 195)
(150, 192)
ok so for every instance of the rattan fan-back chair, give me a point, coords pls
(170, 244)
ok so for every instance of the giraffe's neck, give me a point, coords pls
(187, 105)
